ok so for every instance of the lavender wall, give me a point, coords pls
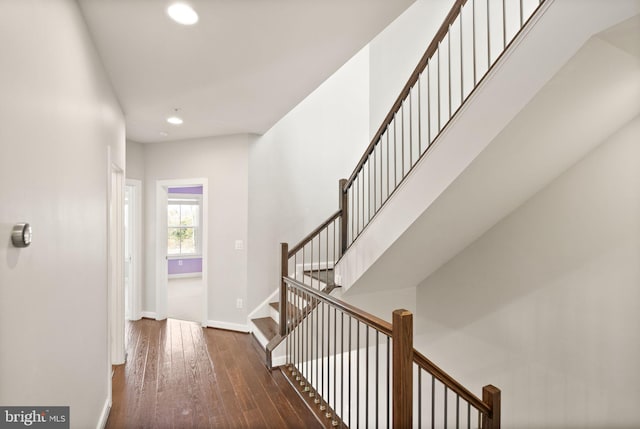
(189, 265)
(186, 190)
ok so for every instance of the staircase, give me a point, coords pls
(350, 366)
(266, 328)
(459, 170)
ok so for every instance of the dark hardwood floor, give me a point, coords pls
(179, 375)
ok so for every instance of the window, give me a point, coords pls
(183, 218)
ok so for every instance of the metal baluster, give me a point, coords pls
(297, 337)
(388, 382)
(428, 104)
(318, 354)
(294, 334)
(357, 203)
(328, 400)
(342, 366)
(521, 12)
(375, 180)
(461, 61)
(367, 165)
(363, 224)
(377, 373)
(308, 311)
(335, 358)
(433, 402)
(358, 374)
(468, 415)
(473, 27)
(439, 121)
(410, 128)
(351, 215)
(457, 411)
(286, 342)
(333, 248)
(366, 381)
(488, 36)
(322, 355)
(312, 361)
(419, 397)
(304, 342)
(387, 161)
(445, 406)
(300, 338)
(395, 150)
(449, 66)
(419, 118)
(349, 377)
(311, 263)
(319, 258)
(402, 118)
(504, 26)
(326, 263)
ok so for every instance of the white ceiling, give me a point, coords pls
(239, 70)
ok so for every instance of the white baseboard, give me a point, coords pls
(228, 326)
(263, 304)
(185, 275)
(104, 415)
(149, 314)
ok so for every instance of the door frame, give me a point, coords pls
(161, 272)
(115, 262)
(135, 210)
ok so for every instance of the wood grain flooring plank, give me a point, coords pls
(179, 375)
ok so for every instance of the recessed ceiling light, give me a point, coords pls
(174, 120)
(182, 13)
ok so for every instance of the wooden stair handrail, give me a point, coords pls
(313, 233)
(431, 49)
(366, 318)
(450, 382)
(387, 329)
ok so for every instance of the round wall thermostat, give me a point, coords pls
(21, 235)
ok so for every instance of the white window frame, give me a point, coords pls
(172, 199)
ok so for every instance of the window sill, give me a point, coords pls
(172, 257)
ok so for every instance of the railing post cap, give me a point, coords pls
(491, 389)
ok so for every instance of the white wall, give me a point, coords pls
(224, 162)
(59, 116)
(135, 160)
(383, 303)
(294, 169)
(546, 304)
(395, 52)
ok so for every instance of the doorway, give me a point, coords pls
(133, 249)
(181, 249)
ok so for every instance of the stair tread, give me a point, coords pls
(291, 308)
(267, 326)
(325, 276)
